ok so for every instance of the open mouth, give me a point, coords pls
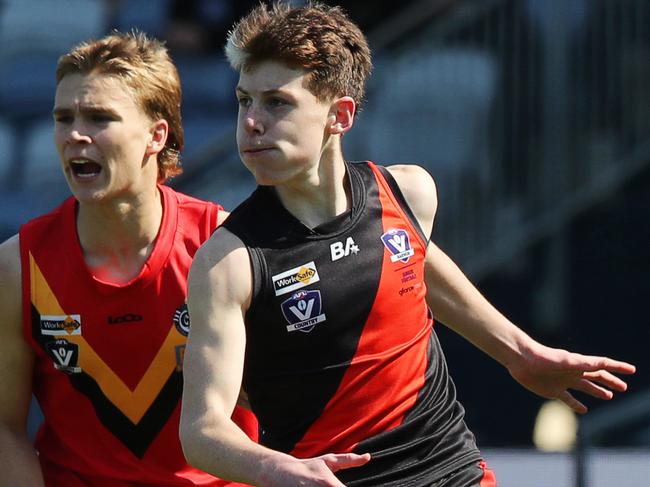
(85, 168)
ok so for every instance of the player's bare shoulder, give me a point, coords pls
(221, 245)
(222, 266)
(10, 280)
(419, 190)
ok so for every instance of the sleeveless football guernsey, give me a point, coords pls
(108, 368)
(341, 352)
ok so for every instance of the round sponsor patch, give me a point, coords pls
(182, 320)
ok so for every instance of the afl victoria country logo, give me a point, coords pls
(182, 320)
(303, 311)
(398, 243)
(65, 356)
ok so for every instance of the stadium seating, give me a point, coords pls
(67, 22)
(144, 15)
(6, 153)
(435, 107)
(42, 173)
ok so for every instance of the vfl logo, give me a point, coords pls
(398, 244)
(303, 311)
(65, 356)
(61, 325)
(182, 320)
(338, 250)
(295, 278)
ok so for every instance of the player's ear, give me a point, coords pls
(341, 115)
(158, 136)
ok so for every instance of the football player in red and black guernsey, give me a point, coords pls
(318, 294)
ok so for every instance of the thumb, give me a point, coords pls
(336, 462)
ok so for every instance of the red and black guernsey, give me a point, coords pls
(108, 368)
(341, 352)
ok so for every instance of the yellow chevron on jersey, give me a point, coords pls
(132, 403)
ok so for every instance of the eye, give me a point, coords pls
(63, 119)
(276, 102)
(244, 101)
(101, 117)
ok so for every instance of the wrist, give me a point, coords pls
(515, 349)
(271, 467)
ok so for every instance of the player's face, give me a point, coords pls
(282, 126)
(102, 138)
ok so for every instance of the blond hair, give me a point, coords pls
(144, 65)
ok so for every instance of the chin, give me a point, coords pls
(89, 197)
(268, 176)
(271, 178)
(87, 194)
(266, 181)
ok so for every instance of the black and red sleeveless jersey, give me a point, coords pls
(109, 357)
(341, 352)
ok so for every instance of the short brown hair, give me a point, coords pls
(144, 65)
(318, 38)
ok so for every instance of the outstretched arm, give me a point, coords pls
(455, 301)
(219, 293)
(18, 460)
(548, 372)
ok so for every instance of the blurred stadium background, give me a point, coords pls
(532, 115)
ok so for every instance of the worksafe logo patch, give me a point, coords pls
(295, 278)
(303, 311)
(61, 325)
(398, 243)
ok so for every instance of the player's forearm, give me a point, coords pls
(456, 302)
(18, 461)
(223, 450)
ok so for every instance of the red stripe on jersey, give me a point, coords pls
(388, 369)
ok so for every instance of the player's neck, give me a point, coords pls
(118, 237)
(321, 194)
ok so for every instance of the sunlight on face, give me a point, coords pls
(282, 126)
(101, 135)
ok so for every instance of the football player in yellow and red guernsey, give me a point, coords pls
(92, 295)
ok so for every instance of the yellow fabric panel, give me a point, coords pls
(133, 404)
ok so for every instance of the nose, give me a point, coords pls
(253, 122)
(78, 135)
(73, 130)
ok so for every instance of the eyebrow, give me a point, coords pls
(273, 91)
(89, 110)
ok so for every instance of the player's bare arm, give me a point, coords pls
(219, 291)
(18, 461)
(457, 303)
(420, 192)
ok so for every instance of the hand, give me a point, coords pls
(551, 372)
(313, 472)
